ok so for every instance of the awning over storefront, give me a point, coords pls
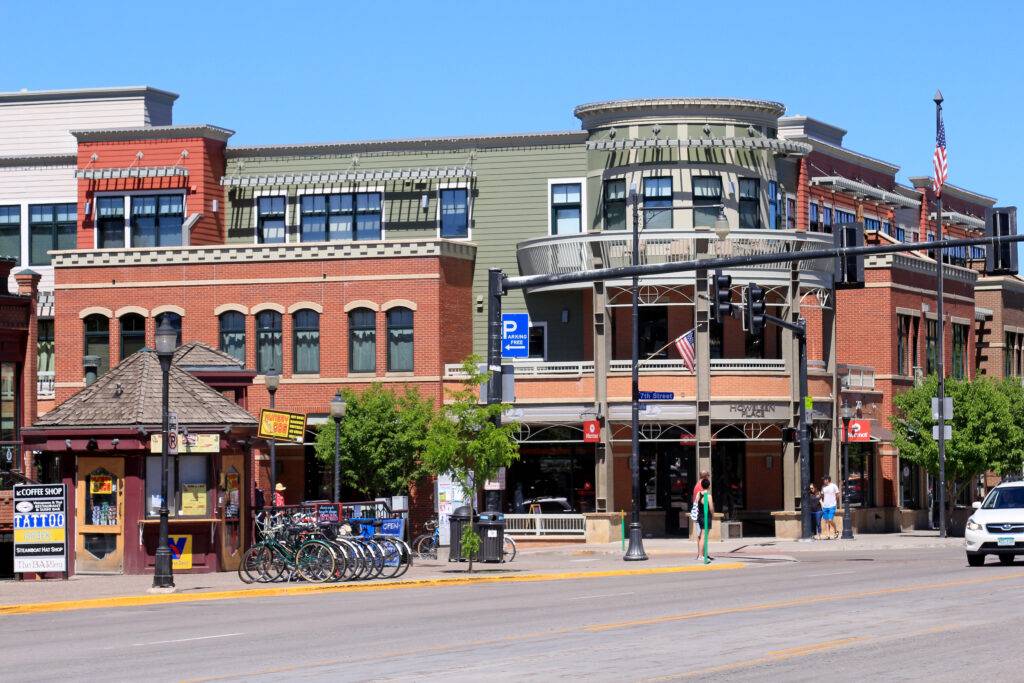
(131, 172)
(958, 218)
(841, 184)
(329, 177)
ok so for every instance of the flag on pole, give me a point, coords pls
(939, 160)
(684, 345)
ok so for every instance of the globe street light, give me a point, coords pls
(273, 380)
(846, 413)
(166, 342)
(338, 407)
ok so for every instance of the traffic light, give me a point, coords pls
(721, 308)
(754, 311)
(849, 270)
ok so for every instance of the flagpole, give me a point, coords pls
(651, 357)
(940, 355)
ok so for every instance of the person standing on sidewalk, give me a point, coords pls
(816, 511)
(704, 527)
(704, 474)
(829, 501)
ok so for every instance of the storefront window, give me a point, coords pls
(910, 485)
(187, 486)
(101, 498)
(153, 485)
(860, 475)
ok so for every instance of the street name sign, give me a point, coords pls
(40, 528)
(282, 426)
(657, 395)
(515, 335)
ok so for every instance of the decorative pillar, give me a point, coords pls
(803, 194)
(28, 286)
(702, 339)
(604, 460)
(790, 464)
(922, 224)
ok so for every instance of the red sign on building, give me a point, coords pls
(859, 431)
(591, 431)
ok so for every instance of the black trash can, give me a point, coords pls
(491, 529)
(456, 520)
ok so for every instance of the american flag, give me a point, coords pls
(684, 345)
(939, 161)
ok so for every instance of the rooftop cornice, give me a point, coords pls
(846, 154)
(924, 182)
(999, 282)
(775, 109)
(22, 96)
(38, 160)
(133, 133)
(467, 142)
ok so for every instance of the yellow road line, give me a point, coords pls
(138, 600)
(799, 602)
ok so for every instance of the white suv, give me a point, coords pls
(997, 525)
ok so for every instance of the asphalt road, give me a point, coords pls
(894, 615)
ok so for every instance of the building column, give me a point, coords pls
(702, 339)
(803, 194)
(790, 458)
(28, 286)
(604, 460)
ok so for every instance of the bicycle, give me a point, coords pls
(426, 545)
(295, 548)
(508, 549)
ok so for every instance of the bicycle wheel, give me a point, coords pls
(376, 555)
(426, 547)
(273, 565)
(314, 562)
(405, 557)
(393, 560)
(508, 549)
(249, 570)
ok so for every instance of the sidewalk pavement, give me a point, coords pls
(535, 559)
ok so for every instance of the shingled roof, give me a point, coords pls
(130, 395)
(199, 356)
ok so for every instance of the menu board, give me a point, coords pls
(40, 528)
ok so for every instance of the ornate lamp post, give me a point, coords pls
(846, 413)
(273, 380)
(166, 342)
(635, 551)
(338, 407)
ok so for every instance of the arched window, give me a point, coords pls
(268, 341)
(133, 334)
(307, 342)
(362, 340)
(175, 321)
(97, 340)
(400, 340)
(232, 335)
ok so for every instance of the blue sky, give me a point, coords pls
(344, 71)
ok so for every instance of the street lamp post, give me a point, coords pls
(273, 379)
(337, 412)
(166, 341)
(847, 414)
(635, 551)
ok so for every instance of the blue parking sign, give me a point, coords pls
(515, 335)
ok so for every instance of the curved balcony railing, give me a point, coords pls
(585, 368)
(573, 253)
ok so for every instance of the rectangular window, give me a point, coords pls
(1008, 346)
(331, 217)
(902, 344)
(774, 206)
(887, 227)
(813, 218)
(44, 345)
(51, 227)
(455, 213)
(566, 209)
(157, 220)
(538, 343)
(930, 341)
(109, 222)
(707, 200)
(790, 213)
(270, 223)
(657, 203)
(959, 351)
(750, 204)
(368, 215)
(826, 219)
(872, 224)
(615, 205)
(313, 218)
(188, 486)
(10, 232)
(845, 216)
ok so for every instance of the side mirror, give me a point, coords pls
(976, 505)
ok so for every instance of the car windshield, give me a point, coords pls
(1002, 499)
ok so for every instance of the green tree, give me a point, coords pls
(382, 440)
(467, 441)
(986, 424)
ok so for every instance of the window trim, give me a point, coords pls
(27, 223)
(85, 339)
(437, 212)
(741, 201)
(121, 332)
(582, 182)
(220, 331)
(20, 231)
(543, 324)
(704, 203)
(671, 208)
(351, 339)
(293, 211)
(128, 195)
(605, 202)
(280, 318)
(387, 332)
(288, 225)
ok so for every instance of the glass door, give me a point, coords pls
(99, 542)
(232, 510)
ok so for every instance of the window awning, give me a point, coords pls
(841, 184)
(329, 177)
(958, 218)
(131, 172)
(775, 145)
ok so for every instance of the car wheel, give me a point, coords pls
(1006, 559)
(976, 560)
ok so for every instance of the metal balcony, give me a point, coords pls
(45, 387)
(613, 249)
(585, 368)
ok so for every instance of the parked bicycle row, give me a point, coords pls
(299, 546)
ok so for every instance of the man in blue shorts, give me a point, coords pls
(829, 500)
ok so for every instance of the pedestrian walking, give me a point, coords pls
(816, 510)
(829, 500)
(703, 525)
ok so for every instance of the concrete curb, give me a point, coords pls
(139, 600)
